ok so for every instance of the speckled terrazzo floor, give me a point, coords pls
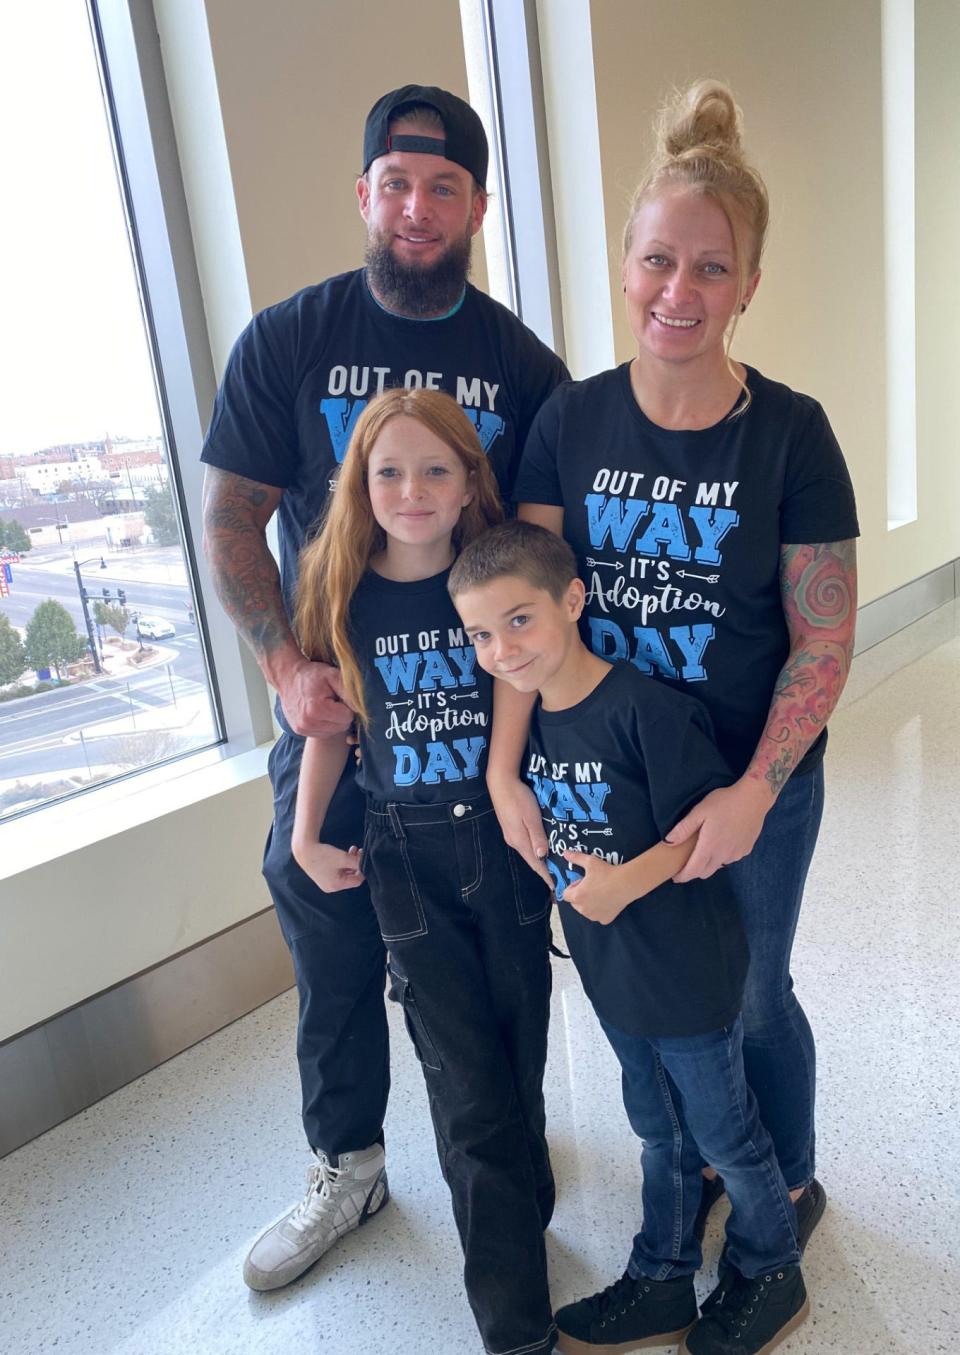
(122, 1232)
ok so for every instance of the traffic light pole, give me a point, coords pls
(97, 666)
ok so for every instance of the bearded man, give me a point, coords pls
(296, 382)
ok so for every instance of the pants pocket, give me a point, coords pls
(532, 897)
(424, 1048)
(393, 885)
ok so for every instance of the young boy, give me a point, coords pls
(615, 760)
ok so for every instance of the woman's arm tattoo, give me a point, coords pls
(235, 516)
(818, 587)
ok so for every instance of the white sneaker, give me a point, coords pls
(342, 1193)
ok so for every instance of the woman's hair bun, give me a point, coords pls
(704, 118)
(698, 146)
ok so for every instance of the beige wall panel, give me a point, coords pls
(92, 917)
(296, 79)
(808, 78)
(938, 283)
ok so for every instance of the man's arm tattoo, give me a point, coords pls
(245, 574)
(819, 592)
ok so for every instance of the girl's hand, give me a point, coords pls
(729, 820)
(520, 822)
(597, 895)
(330, 868)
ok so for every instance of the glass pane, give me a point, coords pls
(102, 668)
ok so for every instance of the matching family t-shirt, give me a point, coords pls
(302, 372)
(678, 535)
(613, 775)
(678, 538)
(429, 703)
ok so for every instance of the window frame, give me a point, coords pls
(128, 54)
(134, 86)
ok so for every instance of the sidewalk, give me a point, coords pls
(147, 564)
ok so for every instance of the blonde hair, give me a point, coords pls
(333, 563)
(699, 148)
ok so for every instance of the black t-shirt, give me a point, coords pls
(428, 700)
(678, 534)
(301, 373)
(613, 775)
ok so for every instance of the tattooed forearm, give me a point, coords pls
(235, 515)
(818, 586)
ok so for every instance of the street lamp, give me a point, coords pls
(58, 526)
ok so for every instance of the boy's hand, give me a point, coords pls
(597, 896)
(330, 868)
(521, 822)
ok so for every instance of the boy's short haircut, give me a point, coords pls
(521, 548)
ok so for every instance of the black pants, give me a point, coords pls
(467, 926)
(339, 961)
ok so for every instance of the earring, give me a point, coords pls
(743, 307)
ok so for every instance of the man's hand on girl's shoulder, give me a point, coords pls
(312, 698)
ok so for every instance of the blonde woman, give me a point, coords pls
(714, 522)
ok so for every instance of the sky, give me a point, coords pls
(73, 353)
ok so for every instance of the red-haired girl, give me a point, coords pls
(465, 921)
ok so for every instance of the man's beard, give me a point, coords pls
(415, 290)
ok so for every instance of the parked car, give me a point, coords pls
(154, 628)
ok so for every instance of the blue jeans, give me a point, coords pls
(778, 1049)
(687, 1099)
(467, 926)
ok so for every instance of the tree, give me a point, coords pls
(112, 615)
(14, 537)
(161, 517)
(52, 639)
(13, 659)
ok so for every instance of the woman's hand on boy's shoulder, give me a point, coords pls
(330, 868)
(598, 896)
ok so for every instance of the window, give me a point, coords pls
(103, 665)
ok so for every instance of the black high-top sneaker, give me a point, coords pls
(751, 1317)
(628, 1315)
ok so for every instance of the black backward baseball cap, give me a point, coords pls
(464, 141)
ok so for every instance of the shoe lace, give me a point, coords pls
(322, 1180)
(616, 1295)
(737, 1303)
